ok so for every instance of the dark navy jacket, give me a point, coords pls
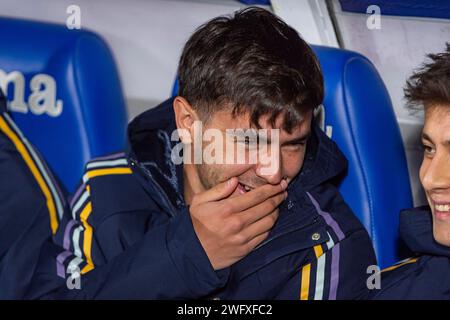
(129, 233)
(425, 276)
(31, 205)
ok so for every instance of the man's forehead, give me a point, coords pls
(437, 124)
(436, 114)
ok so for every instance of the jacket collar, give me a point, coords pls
(149, 136)
(416, 230)
(150, 144)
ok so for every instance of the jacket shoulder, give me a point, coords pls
(110, 185)
(399, 280)
(106, 212)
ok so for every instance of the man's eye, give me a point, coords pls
(297, 145)
(246, 140)
(428, 150)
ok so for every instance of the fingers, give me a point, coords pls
(255, 196)
(256, 241)
(263, 209)
(218, 192)
(261, 226)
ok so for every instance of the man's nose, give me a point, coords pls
(437, 175)
(271, 169)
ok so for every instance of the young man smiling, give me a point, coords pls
(426, 230)
(143, 227)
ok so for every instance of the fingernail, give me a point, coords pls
(283, 184)
(285, 195)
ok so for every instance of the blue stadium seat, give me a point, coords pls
(360, 113)
(63, 92)
(359, 116)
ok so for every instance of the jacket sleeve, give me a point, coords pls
(167, 263)
(94, 256)
(31, 206)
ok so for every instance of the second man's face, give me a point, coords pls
(435, 169)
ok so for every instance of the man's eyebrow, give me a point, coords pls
(302, 139)
(299, 140)
(426, 137)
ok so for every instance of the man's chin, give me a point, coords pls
(441, 232)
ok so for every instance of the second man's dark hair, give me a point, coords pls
(430, 84)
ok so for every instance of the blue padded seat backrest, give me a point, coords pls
(63, 92)
(359, 116)
(361, 119)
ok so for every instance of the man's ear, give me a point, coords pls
(185, 116)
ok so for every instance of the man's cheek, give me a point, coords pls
(292, 169)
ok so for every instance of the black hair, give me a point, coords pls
(250, 62)
(430, 84)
